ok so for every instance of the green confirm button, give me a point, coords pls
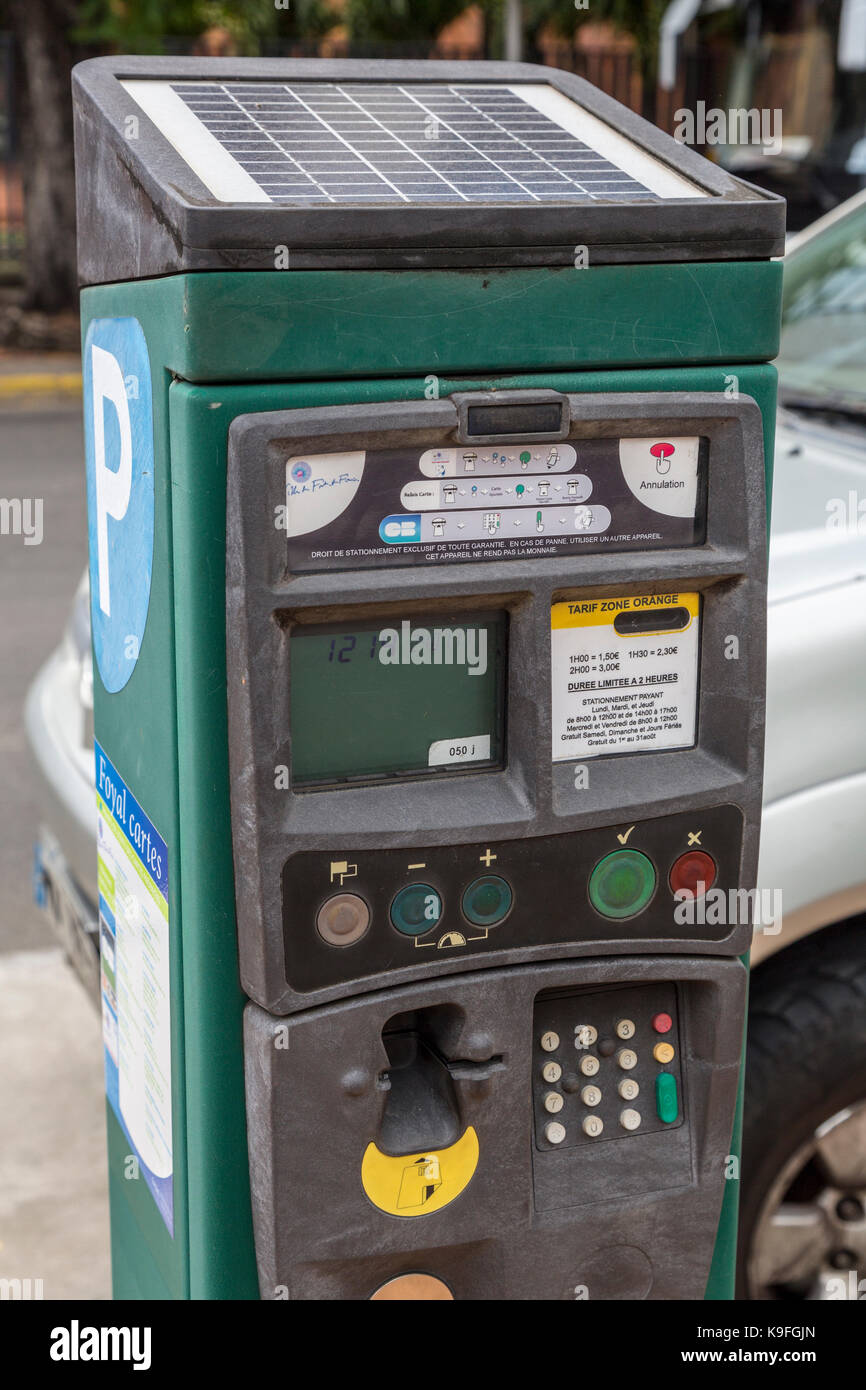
(667, 1104)
(622, 883)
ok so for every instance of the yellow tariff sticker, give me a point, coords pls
(420, 1183)
(624, 674)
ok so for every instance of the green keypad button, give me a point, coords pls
(416, 909)
(667, 1104)
(487, 901)
(622, 883)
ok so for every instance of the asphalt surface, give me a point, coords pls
(53, 1186)
(41, 456)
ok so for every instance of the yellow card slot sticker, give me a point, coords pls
(624, 674)
(604, 611)
(419, 1184)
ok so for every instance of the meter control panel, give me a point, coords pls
(347, 915)
(496, 686)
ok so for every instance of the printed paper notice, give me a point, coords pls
(624, 674)
(136, 999)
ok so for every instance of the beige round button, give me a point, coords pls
(591, 1095)
(625, 1029)
(589, 1066)
(550, 1041)
(593, 1125)
(664, 1053)
(554, 1133)
(413, 1286)
(553, 1102)
(630, 1119)
(551, 1071)
(585, 1035)
(628, 1088)
(626, 1058)
(343, 919)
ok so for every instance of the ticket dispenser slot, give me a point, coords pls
(427, 1089)
(421, 1107)
(520, 775)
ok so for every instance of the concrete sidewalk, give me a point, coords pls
(53, 1180)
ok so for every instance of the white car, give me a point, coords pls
(803, 1179)
(803, 1193)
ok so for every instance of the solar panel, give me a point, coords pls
(317, 143)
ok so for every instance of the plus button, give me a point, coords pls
(487, 858)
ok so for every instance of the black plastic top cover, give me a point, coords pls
(262, 164)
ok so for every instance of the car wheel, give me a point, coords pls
(803, 1171)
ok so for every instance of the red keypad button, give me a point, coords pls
(663, 1023)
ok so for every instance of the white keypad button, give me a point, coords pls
(550, 1041)
(626, 1058)
(591, 1095)
(551, 1072)
(625, 1029)
(589, 1066)
(554, 1133)
(553, 1102)
(628, 1088)
(630, 1119)
(593, 1125)
(585, 1035)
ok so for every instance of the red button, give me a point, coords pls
(691, 869)
(663, 1023)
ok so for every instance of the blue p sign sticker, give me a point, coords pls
(118, 436)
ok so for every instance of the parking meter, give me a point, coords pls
(428, 413)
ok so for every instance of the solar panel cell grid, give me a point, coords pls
(314, 143)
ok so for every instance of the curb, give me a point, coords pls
(40, 384)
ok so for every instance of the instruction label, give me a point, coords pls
(624, 674)
(132, 871)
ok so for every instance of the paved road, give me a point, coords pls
(41, 456)
(53, 1199)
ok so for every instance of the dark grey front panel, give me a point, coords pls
(603, 792)
(629, 1214)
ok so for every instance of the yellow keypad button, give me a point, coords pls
(664, 1053)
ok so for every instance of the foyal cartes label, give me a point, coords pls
(624, 674)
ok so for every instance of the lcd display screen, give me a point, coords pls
(391, 697)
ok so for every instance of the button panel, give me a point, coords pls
(505, 501)
(474, 899)
(633, 1091)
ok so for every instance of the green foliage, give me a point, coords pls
(142, 25)
(400, 20)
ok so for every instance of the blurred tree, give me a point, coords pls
(142, 26)
(640, 18)
(399, 19)
(44, 58)
(50, 35)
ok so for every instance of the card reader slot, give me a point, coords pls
(653, 620)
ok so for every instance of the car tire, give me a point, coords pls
(805, 1066)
